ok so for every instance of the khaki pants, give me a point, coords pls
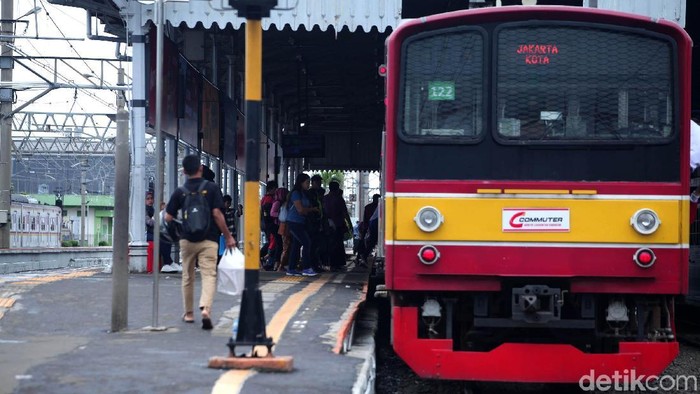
(205, 252)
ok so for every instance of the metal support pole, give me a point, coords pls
(6, 131)
(83, 202)
(120, 242)
(137, 207)
(251, 321)
(158, 194)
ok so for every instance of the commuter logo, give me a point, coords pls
(538, 220)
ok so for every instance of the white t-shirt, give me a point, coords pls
(694, 145)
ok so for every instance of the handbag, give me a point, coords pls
(283, 214)
(230, 277)
(348, 229)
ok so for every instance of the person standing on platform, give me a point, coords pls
(298, 209)
(268, 226)
(315, 224)
(336, 212)
(165, 251)
(150, 222)
(281, 235)
(364, 229)
(230, 215)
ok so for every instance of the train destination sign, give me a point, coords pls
(535, 220)
(537, 53)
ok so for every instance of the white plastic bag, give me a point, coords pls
(231, 272)
(282, 218)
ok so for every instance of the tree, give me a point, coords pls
(331, 175)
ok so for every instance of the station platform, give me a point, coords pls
(54, 335)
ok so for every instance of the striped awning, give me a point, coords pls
(339, 14)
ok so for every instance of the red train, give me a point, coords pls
(536, 179)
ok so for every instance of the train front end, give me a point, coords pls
(536, 210)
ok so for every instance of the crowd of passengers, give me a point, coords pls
(306, 228)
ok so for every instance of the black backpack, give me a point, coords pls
(196, 215)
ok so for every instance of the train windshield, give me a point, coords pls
(551, 84)
(582, 83)
(443, 85)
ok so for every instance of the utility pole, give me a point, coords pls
(120, 248)
(6, 99)
(251, 318)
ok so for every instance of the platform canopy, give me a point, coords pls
(320, 63)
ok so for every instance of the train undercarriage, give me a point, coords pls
(532, 331)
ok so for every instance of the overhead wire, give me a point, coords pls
(48, 68)
(63, 77)
(64, 36)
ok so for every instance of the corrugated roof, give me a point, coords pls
(672, 10)
(353, 14)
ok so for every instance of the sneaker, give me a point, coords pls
(168, 268)
(178, 267)
(309, 272)
(293, 273)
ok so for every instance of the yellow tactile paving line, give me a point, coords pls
(54, 278)
(232, 381)
(290, 279)
(7, 302)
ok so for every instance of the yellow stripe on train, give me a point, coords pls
(482, 219)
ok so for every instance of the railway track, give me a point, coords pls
(688, 324)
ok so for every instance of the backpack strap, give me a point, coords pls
(186, 191)
(202, 185)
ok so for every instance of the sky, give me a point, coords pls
(54, 21)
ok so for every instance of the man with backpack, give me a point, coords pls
(201, 205)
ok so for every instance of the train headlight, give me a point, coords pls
(429, 219)
(645, 221)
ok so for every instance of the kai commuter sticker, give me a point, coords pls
(535, 220)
